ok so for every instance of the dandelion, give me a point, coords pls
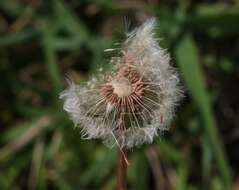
(132, 103)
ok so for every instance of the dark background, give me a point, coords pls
(43, 41)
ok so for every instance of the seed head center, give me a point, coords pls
(122, 87)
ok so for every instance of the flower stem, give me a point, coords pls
(122, 169)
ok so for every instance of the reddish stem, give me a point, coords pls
(122, 169)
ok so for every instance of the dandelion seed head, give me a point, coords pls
(131, 104)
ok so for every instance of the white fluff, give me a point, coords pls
(85, 106)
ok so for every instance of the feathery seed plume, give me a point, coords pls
(129, 105)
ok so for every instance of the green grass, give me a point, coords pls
(42, 42)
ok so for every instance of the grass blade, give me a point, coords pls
(187, 58)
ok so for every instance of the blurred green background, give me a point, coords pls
(43, 41)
